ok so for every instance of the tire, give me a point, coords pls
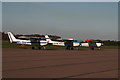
(33, 47)
(92, 48)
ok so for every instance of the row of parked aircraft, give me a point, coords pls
(70, 44)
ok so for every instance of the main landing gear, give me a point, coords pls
(69, 48)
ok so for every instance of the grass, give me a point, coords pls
(110, 47)
(7, 44)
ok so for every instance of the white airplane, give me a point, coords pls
(24, 42)
(92, 44)
(70, 43)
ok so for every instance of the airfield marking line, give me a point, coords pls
(88, 73)
(59, 65)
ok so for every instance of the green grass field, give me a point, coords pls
(7, 44)
(110, 47)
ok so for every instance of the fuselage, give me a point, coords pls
(88, 45)
(25, 42)
(57, 43)
(28, 42)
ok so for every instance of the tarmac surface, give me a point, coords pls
(28, 63)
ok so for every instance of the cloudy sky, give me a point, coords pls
(80, 20)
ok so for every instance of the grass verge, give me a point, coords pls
(7, 44)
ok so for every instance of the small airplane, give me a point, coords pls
(31, 41)
(68, 43)
(92, 44)
(71, 43)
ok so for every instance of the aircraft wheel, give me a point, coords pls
(33, 47)
(92, 48)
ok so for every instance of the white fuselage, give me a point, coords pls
(26, 42)
(58, 43)
(87, 44)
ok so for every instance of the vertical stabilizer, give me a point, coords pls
(47, 38)
(11, 37)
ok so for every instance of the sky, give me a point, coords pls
(118, 20)
(60, 0)
(0, 17)
(78, 20)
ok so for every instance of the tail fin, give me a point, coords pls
(11, 37)
(47, 38)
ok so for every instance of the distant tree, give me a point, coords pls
(4, 36)
(111, 43)
(54, 37)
